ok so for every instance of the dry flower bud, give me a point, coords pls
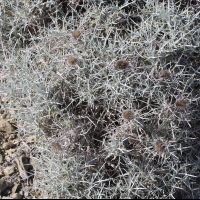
(159, 146)
(127, 114)
(165, 73)
(76, 34)
(71, 60)
(56, 146)
(102, 65)
(121, 64)
(181, 103)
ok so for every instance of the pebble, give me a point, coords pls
(3, 185)
(26, 194)
(21, 193)
(1, 159)
(8, 171)
(6, 192)
(1, 173)
(10, 151)
(6, 126)
(10, 184)
(16, 196)
(7, 145)
(15, 188)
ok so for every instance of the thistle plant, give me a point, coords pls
(115, 84)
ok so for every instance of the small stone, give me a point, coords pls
(15, 188)
(16, 196)
(1, 159)
(3, 185)
(6, 126)
(6, 192)
(9, 171)
(1, 173)
(21, 193)
(10, 184)
(26, 194)
(7, 145)
(10, 151)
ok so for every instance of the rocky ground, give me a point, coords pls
(16, 171)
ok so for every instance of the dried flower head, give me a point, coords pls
(165, 74)
(56, 146)
(76, 34)
(71, 60)
(121, 64)
(159, 146)
(181, 103)
(102, 65)
(127, 114)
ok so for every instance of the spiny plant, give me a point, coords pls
(72, 84)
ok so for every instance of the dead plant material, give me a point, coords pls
(181, 103)
(165, 74)
(159, 146)
(102, 65)
(76, 34)
(121, 64)
(127, 114)
(56, 146)
(71, 60)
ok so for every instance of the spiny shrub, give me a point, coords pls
(78, 105)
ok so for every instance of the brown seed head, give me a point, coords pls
(56, 146)
(127, 114)
(7, 145)
(76, 34)
(71, 60)
(165, 74)
(121, 64)
(159, 146)
(181, 103)
(102, 65)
